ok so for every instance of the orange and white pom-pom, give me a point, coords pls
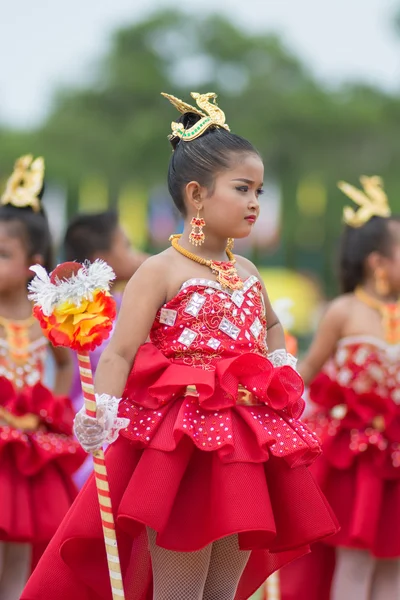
(73, 304)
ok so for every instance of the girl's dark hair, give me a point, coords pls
(88, 234)
(202, 158)
(32, 228)
(357, 244)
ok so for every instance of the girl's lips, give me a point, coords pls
(251, 218)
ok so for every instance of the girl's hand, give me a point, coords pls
(281, 358)
(92, 433)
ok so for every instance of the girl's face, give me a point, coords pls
(14, 261)
(232, 207)
(120, 256)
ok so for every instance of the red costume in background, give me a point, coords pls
(38, 454)
(357, 416)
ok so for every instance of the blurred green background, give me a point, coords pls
(106, 144)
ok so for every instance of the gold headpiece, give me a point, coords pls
(212, 116)
(373, 201)
(25, 184)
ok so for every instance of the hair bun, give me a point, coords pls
(187, 120)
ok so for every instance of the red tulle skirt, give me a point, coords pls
(191, 494)
(36, 467)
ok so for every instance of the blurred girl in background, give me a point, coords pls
(91, 237)
(38, 453)
(353, 367)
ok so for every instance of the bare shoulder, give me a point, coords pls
(341, 304)
(154, 265)
(246, 264)
(153, 272)
(337, 312)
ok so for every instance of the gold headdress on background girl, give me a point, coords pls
(211, 116)
(373, 201)
(25, 184)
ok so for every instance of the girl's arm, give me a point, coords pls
(328, 334)
(143, 296)
(275, 333)
(64, 370)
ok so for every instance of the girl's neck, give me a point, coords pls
(369, 288)
(213, 248)
(14, 304)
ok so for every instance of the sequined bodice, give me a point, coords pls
(24, 367)
(204, 323)
(367, 364)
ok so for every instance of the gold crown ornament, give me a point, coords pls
(211, 116)
(373, 201)
(25, 184)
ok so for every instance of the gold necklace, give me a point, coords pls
(226, 272)
(390, 314)
(17, 336)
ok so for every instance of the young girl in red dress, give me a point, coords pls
(37, 451)
(354, 368)
(209, 478)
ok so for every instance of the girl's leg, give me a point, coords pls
(353, 575)
(227, 564)
(177, 575)
(386, 580)
(15, 572)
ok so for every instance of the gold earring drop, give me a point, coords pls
(196, 236)
(381, 282)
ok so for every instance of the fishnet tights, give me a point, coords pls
(212, 573)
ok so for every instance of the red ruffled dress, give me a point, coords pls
(38, 454)
(357, 417)
(213, 448)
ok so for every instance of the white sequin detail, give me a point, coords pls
(229, 328)
(256, 328)
(187, 337)
(249, 283)
(194, 305)
(237, 298)
(213, 343)
(168, 316)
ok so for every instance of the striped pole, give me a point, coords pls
(103, 490)
(272, 587)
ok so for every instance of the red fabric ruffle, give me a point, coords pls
(360, 413)
(36, 488)
(52, 442)
(155, 380)
(161, 415)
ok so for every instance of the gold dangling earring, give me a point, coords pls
(196, 236)
(230, 244)
(381, 282)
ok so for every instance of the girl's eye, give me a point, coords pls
(243, 188)
(260, 192)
